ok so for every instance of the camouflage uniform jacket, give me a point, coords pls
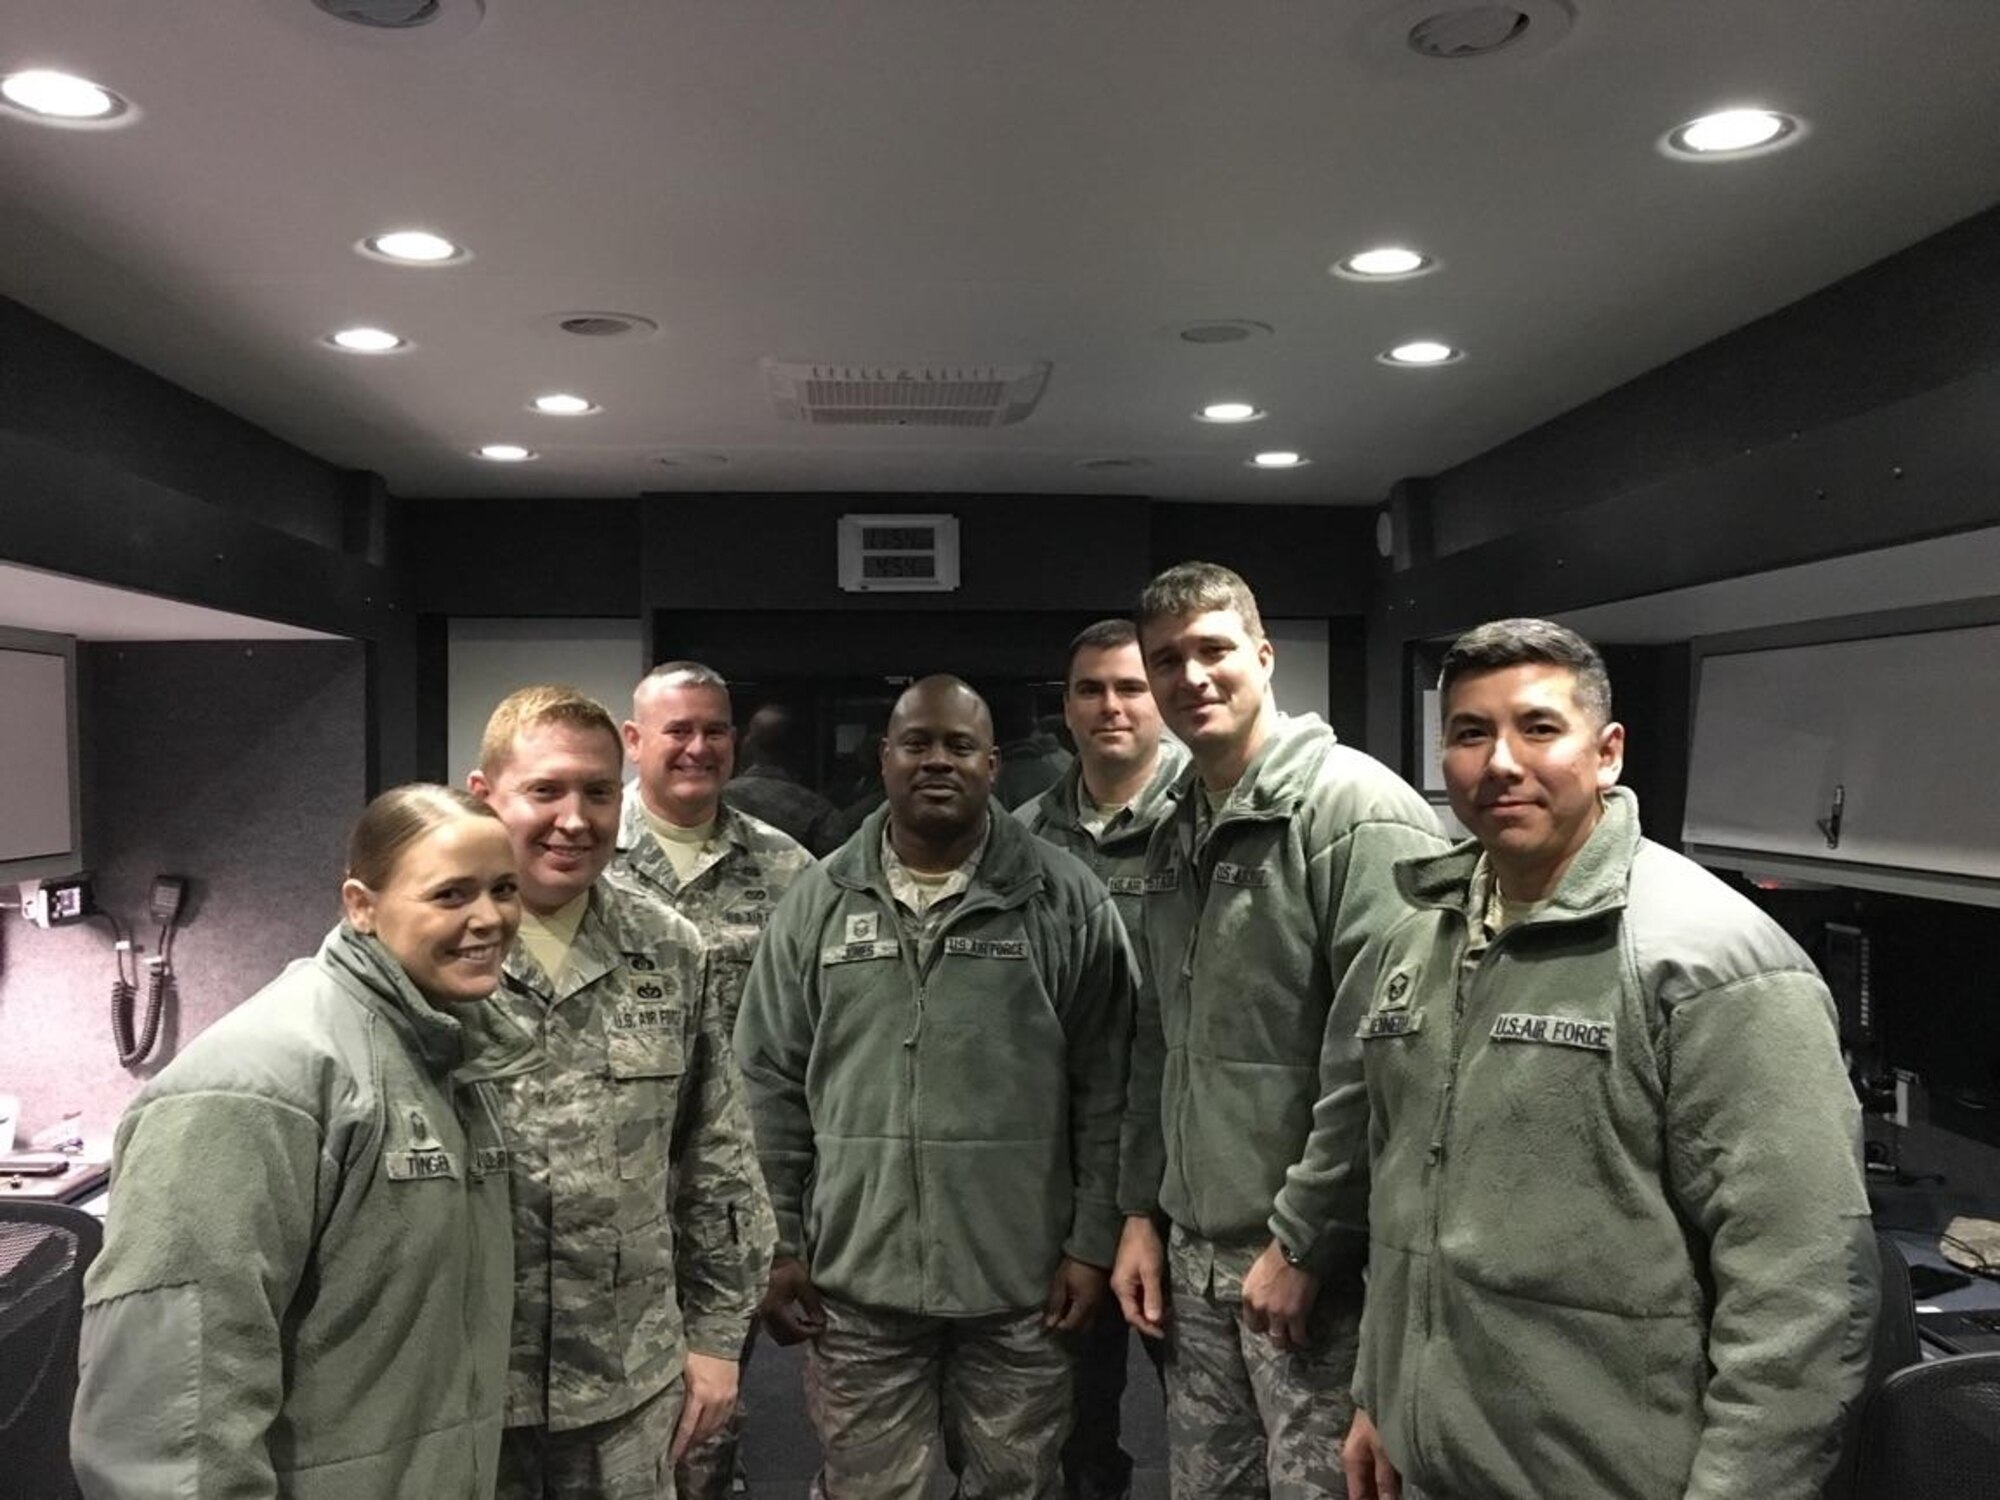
(1246, 1107)
(639, 1103)
(939, 1130)
(738, 882)
(1117, 856)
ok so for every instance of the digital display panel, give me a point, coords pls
(898, 538)
(893, 565)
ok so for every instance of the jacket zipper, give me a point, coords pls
(918, 975)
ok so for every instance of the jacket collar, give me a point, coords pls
(1008, 874)
(633, 832)
(1062, 804)
(1278, 776)
(475, 1040)
(1596, 881)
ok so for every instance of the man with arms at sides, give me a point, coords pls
(1246, 1109)
(1104, 810)
(722, 869)
(638, 1204)
(933, 1038)
(1621, 1242)
(770, 781)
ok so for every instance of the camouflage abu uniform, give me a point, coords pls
(744, 870)
(614, 1283)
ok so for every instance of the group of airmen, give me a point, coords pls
(1524, 1168)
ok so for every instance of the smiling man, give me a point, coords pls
(1621, 1242)
(933, 1040)
(1246, 1108)
(641, 1227)
(716, 865)
(1120, 787)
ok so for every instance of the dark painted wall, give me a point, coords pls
(111, 474)
(238, 764)
(1919, 320)
(1861, 417)
(71, 393)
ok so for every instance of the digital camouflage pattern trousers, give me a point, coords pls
(885, 1388)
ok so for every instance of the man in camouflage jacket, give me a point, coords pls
(716, 865)
(642, 1231)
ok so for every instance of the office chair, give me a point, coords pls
(44, 1250)
(1932, 1432)
(1896, 1347)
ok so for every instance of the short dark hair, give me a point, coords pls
(1105, 635)
(1194, 588)
(1513, 643)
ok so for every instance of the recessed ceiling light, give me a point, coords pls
(367, 341)
(61, 98)
(505, 453)
(1279, 459)
(413, 247)
(1384, 263)
(1421, 352)
(557, 404)
(1732, 133)
(1229, 411)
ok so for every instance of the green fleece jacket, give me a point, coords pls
(1621, 1243)
(1246, 1106)
(1117, 855)
(937, 1134)
(307, 1265)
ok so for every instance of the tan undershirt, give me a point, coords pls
(683, 847)
(549, 938)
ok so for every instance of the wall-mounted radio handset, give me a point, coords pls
(168, 896)
(135, 1036)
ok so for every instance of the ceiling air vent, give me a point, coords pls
(905, 395)
(1468, 31)
(604, 325)
(392, 15)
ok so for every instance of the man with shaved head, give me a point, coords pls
(933, 1039)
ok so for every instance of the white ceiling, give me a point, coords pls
(33, 600)
(961, 181)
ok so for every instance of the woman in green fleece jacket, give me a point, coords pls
(305, 1283)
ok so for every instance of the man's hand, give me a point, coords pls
(1278, 1297)
(1370, 1475)
(1076, 1291)
(791, 1308)
(1139, 1276)
(711, 1396)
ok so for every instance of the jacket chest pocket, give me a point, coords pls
(646, 1058)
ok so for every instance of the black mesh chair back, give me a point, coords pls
(1932, 1432)
(1895, 1348)
(44, 1250)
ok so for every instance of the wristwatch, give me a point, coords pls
(1293, 1258)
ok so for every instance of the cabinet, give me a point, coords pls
(1902, 732)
